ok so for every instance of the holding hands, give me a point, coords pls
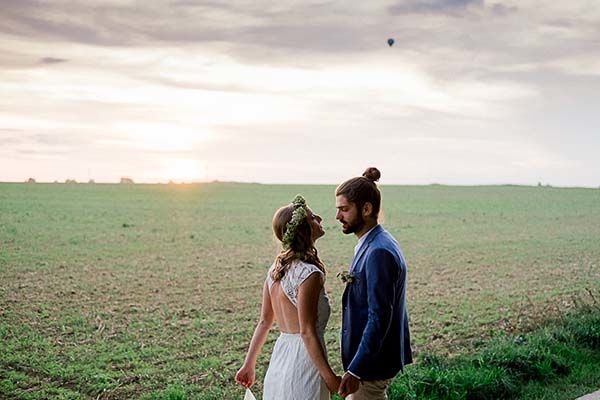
(348, 385)
(333, 383)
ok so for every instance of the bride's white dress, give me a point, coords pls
(291, 374)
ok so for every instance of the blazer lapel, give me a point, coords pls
(364, 246)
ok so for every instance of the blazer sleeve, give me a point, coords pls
(381, 279)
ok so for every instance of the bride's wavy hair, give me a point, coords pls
(302, 247)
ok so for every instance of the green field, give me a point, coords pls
(152, 291)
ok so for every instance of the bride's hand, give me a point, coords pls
(333, 383)
(246, 376)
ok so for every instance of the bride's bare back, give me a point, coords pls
(286, 314)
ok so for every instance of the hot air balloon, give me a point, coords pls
(390, 42)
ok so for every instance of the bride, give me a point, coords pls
(294, 296)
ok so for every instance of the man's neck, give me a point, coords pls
(370, 224)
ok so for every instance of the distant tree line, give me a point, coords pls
(124, 181)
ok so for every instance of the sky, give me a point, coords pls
(471, 92)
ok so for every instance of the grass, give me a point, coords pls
(565, 354)
(152, 291)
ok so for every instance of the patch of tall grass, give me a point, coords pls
(502, 367)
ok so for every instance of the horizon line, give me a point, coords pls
(217, 181)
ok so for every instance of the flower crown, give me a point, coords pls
(297, 217)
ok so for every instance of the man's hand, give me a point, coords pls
(349, 385)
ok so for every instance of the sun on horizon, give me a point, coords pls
(182, 171)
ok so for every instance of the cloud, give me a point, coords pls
(52, 60)
(306, 33)
(22, 144)
(433, 6)
(126, 23)
(10, 137)
(48, 25)
(500, 9)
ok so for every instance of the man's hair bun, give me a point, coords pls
(372, 174)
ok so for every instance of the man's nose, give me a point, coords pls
(338, 215)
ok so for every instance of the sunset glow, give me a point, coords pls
(182, 171)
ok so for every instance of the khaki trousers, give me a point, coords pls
(371, 390)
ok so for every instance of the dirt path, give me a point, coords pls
(591, 396)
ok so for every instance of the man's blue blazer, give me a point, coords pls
(375, 333)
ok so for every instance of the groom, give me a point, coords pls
(375, 333)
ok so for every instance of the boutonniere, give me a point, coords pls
(346, 277)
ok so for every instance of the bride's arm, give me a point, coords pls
(308, 300)
(247, 374)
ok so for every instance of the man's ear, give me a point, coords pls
(367, 210)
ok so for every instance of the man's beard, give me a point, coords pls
(354, 227)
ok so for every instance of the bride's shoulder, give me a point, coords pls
(303, 269)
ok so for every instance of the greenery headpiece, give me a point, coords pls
(297, 217)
